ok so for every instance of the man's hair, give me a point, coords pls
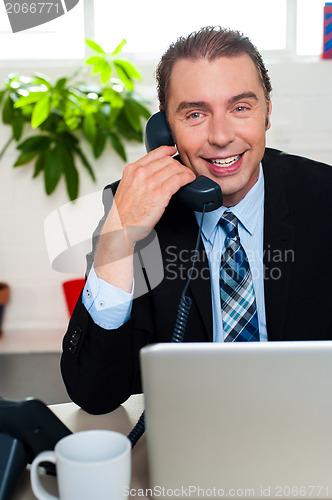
(211, 43)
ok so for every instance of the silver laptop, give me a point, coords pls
(239, 420)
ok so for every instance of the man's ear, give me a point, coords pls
(268, 116)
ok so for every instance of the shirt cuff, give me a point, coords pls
(108, 306)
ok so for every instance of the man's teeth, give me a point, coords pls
(226, 162)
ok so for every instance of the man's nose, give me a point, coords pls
(221, 130)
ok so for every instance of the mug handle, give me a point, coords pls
(37, 487)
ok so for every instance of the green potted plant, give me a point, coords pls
(58, 116)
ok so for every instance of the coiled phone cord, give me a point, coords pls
(137, 431)
(178, 332)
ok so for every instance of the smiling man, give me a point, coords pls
(218, 116)
(262, 270)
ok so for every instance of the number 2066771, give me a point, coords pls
(31, 8)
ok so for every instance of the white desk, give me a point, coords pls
(122, 420)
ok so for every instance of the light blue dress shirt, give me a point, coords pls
(110, 307)
(250, 213)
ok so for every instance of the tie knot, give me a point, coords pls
(229, 222)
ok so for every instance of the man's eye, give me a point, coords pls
(195, 115)
(241, 108)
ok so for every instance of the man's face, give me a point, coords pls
(217, 114)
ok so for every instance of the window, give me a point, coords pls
(281, 28)
(150, 29)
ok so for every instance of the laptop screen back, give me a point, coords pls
(239, 419)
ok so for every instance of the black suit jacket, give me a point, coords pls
(101, 367)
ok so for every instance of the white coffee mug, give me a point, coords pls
(90, 465)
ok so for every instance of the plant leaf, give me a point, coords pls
(128, 68)
(53, 168)
(113, 97)
(41, 111)
(126, 80)
(7, 111)
(71, 173)
(89, 127)
(119, 47)
(17, 126)
(25, 158)
(85, 163)
(99, 144)
(29, 99)
(41, 80)
(132, 115)
(36, 142)
(60, 84)
(117, 145)
(2, 93)
(73, 122)
(142, 110)
(106, 72)
(70, 140)
(95, 60)
(124, 128)
(94, 46)
(39, 165)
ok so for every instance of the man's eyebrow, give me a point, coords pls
(190, 105)
(240, 97)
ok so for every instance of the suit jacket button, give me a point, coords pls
(78, 331)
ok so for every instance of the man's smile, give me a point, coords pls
(224, 162)
(225, 166)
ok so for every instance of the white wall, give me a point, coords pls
(301, 123)
(301, 110)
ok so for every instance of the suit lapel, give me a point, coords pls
(278, 250)
(200, 287)
(185, 231)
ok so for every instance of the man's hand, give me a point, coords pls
(147, 187)
(144, 192)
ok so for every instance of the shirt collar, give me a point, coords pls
(247, 210)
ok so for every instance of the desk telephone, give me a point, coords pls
(26, 428)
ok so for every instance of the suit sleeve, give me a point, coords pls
(100, 368)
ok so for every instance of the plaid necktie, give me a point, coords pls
(239, 311)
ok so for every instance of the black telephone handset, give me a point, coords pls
(199, 192)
